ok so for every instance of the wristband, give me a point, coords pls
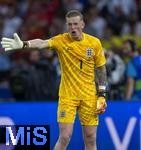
(102, 88)
(25, 44)
(102, 94)
(102, 91)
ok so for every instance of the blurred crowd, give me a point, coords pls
(35, 75)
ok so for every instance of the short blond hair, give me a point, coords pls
(74, 13)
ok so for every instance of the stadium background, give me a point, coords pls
(29, 80)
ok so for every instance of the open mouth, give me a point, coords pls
(73, 33)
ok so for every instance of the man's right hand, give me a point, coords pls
(11, 44)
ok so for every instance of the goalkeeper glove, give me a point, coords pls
(101, 105)
(11, 44)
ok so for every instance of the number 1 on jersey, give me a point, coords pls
(81, 64)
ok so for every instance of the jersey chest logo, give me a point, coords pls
(89, 52)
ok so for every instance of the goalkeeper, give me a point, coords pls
(78, 54)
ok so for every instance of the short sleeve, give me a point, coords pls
(99, 56)
(55, 41)
(131, 71)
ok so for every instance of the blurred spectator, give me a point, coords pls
(96, 23)
(12, 22)
(58, 26)
(115, 71)
(133, 86)
(5, 90)
(72, 4)
(19, 76)
(129, 49)
(127, 6)
(22, 7)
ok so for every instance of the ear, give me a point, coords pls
(83, 24)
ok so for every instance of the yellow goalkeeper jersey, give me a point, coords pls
(77, 61)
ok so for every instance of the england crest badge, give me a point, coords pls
(89, 52)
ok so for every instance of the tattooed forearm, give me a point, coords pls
(101, 75)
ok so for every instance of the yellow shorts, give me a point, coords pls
(67, 109)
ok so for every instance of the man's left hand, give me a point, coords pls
(101, 105)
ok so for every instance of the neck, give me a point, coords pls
(78, 38)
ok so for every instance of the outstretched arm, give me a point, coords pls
(38, 43)
(102, 81)
(16, 43)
